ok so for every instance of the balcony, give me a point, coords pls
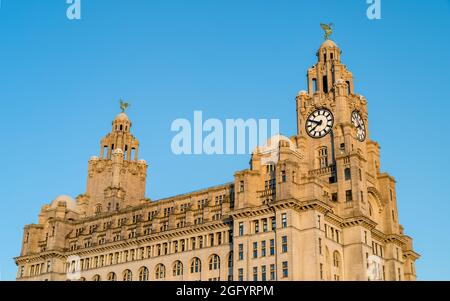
(267, 193)
(322, 171)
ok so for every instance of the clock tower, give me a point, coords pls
(333, 136)
(332, 129)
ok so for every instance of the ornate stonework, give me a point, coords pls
(323, 211)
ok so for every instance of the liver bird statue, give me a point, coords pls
(124, 105)
(328, 28)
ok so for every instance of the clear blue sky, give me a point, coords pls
(60, 81)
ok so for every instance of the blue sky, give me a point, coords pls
(60, 82)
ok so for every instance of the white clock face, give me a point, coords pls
(358, 122)
(319, 123)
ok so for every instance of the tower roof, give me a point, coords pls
(64, 200)
(329, 43)
(121, 117)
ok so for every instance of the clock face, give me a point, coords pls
(319, 123)
(358, 122)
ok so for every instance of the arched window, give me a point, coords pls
(347, 174)
(98, 208)
(160, 271)
(82, 279)
(336, 259)
(96, 278)
(112, 276)
(214, 262)
(177, 268)
(196, 265)
(143, 274)
(127, 275)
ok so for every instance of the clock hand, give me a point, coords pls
(317, 124)
(314, 121)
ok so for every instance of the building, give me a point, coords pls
(321, 210)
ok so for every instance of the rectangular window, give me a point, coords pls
(285, 269)
(264, 225)
(348, 195)
(256, 226)
(272, 272)
(241, 252)
(241, 274)
(284, 220)
(320, 246)
(274, 223)
(283, 176)
(263, 273)
(325, 84)
(241, 186)
(263, 248)
(255, 273)
(255, 249)
(284, 245)
(241, 228)
(334, 197)
(314, 84)
(272, 247)
(321, 271)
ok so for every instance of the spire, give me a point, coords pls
(323, 76)
(120, 137)
(328, 51)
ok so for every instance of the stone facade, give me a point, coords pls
(322, 210)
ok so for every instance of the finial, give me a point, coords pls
(123, 105)
(328, 28)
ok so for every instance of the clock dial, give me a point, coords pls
(358, 122)
(319, 123)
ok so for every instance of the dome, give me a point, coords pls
(121, 117)
(65, 200)
(329, 43)
(93, 158)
